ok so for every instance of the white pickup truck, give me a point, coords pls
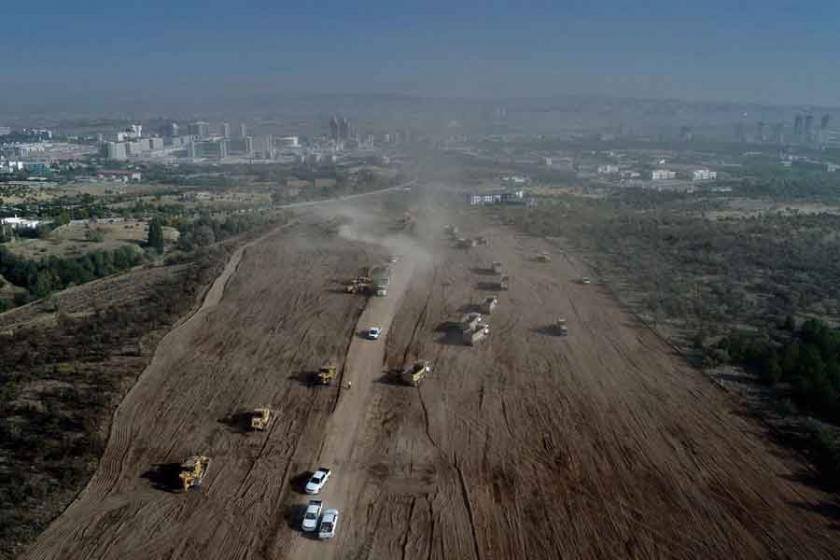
(328, 524)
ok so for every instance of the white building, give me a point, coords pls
(662, 174)
(20, 223)
(287, 142)
(607, 169)
(116, 150)
(703, 175)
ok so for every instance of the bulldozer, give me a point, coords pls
(193, 471)
(260, 418)
(327, 373)
(359, 285)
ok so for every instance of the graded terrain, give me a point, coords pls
(600, 444)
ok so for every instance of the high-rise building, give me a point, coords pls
(334, 128)
(225, 130)
(116, 151)
(809, 127)
(343, 129)
(778, 134)
(199, 129)
(243, 130)
(797, 127)
(761, 132)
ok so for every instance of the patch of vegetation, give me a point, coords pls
(41, 278)
(808, 359)
(59, 385)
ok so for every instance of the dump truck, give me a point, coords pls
(193, 471)
(470, 321)
(380, 280)
(415, 373)
(473, 328)
(327, 373)
(489, 304)
(472, 336)
(560, 327)
(260, 418)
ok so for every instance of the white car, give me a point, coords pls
(586, 280)
(329, 522)
(316, 482)
(374, 333)
(311, 515)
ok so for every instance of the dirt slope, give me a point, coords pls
(602, 444)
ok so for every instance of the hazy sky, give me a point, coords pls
(766, 51)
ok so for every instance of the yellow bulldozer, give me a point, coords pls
(327, 373)
(260, 418)
(193, 471)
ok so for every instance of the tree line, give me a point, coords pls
(42, 277)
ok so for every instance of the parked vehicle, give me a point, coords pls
(311, 516)
(329, 523)
(317, 481)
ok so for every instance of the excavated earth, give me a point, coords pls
(600, 444)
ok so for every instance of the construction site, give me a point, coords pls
(568, 430)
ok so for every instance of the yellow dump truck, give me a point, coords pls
(414, 374)
(193, 471)
(260, 418)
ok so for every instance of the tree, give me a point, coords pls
(155, 240)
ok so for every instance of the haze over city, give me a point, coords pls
(77, 55)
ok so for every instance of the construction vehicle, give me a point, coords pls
(489, 304)
(414, 374)
(193, 471)
(381, 279)
(560, 327)
(464, 243)
(543, 257)
(504, 282)
(586, 280)
(481, 240)
(470, 337)
(496, 267)
(327, 373)
(359, 285)
(260, 418)
(451, 231)
(473, 328)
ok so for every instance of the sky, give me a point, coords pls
(770, 51)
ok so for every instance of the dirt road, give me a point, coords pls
(602, 444)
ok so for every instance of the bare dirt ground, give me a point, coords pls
(602, 444)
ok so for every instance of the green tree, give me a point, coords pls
(155, 240)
